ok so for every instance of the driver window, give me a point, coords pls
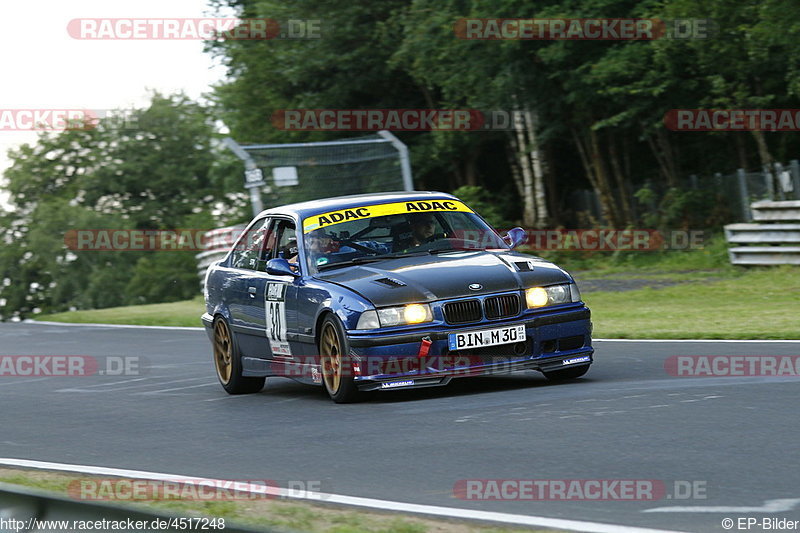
(255, 244)
(286, 241)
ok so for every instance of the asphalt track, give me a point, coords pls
(628, 418)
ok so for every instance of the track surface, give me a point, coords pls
(627, 419)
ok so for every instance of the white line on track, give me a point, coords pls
(214, 384)
(187, 328)
(384, 505)
(770, 506)
(112, 383)
(94, 325)
(150, 383)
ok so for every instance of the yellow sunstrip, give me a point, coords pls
(355, 213)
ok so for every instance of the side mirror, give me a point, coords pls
(280, 267)
(515, 237)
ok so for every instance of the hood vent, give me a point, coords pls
(524, 266)
(390, 282)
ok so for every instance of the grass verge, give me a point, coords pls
(185, 313)
(285, 515)
(756, 304)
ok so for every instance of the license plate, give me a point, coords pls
(486, 337)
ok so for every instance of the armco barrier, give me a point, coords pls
(33, 509)
(774, 239)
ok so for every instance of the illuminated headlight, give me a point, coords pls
(407, 314)
(552, 295)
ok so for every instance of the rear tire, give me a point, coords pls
(567, 374)
(337, 367)
(228, 362)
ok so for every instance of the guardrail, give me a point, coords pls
(781, 211)
(217, 243)
(773, 240)
(24, 509)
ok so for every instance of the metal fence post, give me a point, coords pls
(794, 168)
(250, 169)
(741, 175)
(769, 181)
(405, 162)
(778, 172)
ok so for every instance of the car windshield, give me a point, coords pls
(367, 234)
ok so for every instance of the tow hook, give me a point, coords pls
(424, 346)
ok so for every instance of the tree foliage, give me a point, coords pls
(599, 104)
(155, 169)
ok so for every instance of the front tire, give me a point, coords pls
(228, 362)
(337, 368)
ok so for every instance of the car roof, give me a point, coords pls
(315, 207)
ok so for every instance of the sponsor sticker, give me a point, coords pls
(393, 384)
(356, 213)
(276, 319)
(583, 359)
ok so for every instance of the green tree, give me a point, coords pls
(155, 169)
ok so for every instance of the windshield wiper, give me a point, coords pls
(349, 262)
(455, 249)
(369, 259)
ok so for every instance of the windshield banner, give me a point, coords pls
(355, 213)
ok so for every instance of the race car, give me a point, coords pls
(384, 292)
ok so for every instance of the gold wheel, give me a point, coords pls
(223, 351)
(331, 352)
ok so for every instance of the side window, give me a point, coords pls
(252, 246)
(286, 240)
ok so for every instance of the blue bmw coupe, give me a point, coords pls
(388, 291)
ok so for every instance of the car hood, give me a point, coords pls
(448, 275)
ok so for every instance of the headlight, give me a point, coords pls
(404, 315)
(536, 297)
(552, 295)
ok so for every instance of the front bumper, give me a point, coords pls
(555, 339)
(434, 379)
